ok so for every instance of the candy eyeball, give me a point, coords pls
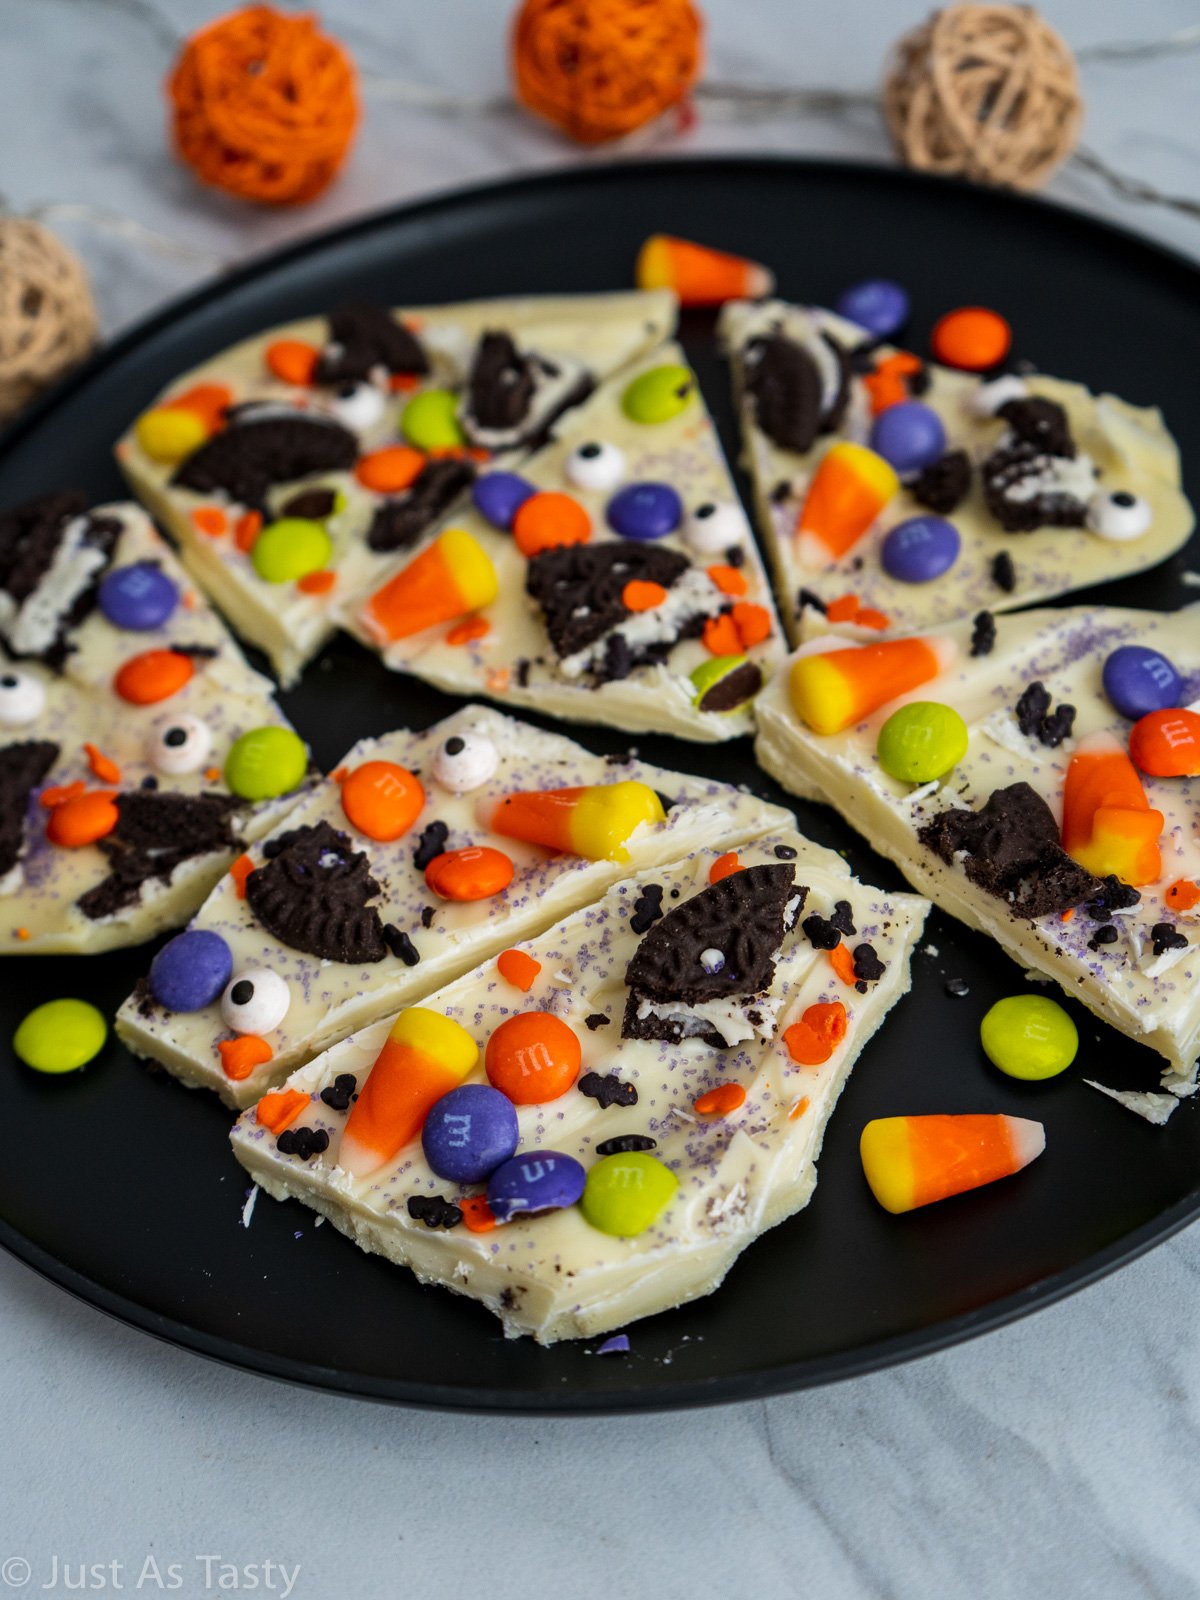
(714, 526)
(358, 406)
(1118, 515)
(178, 744)
(987, 397)
(255, 1001)
(713, 961)
(22, 698)
(595, 465)
(464, 761)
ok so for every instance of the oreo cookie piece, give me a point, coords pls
(501, 384)
(399, 523)
(52, 558)
(578, 588)
(741, 919)
(22, 768)
(362, 337)
(314, 505)
(1040, 422)
(943, 485)
(155, 833)
(312, 895)
(1012, 851)
(260, 449)
(784, 382)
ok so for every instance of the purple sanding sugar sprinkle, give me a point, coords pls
(618, 1345)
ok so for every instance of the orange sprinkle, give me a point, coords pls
(189, 600)
(868, 617)
(477, 1215)
(497, 680)
(247, 529)
(240, 1056)
(292, 361)
(467, 630)
(212, 774)
(280, 1109)
(391, 470)
(886, 385)
(842, 963)
(403, 382)
(641, 595)
(719, 1102)
(239, 872)
(152, 676)
(59, 793)
(1067, 914)
(813, 1039)
(721, 637)
(1183, 894)
(382, 799)
(518, 968)
(844, 609)
(83, 819)
(22, 933)
(104, 769)
(798, 1109)
(339, 775)
(724, 866)
(476, 873)
(211, 520)
(317, 582)
(206, 401)
(753, 623)
(729, 580)
(549, 519)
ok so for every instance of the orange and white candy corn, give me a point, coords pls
(849, 489)
(698, 275)
(425, 1056)
(834, 689)
(913, 1161)
(594, 821)
(1108, 824)
(446, 581)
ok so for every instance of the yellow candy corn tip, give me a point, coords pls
(820, 697)
(878, 474)
(653, 269)
(887, 1163)
(607, 814)
(439, 1037)
(471, 566)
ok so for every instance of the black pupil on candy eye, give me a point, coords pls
(455, 747)
(10, 680)
(242, 993)
(175, 737)
(705, 510)
(1122, 498)
(346, 390)
(589, 451)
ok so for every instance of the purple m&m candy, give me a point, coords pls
(909, 435)
(138, 597)
(1138, 680)
(878, 305)
(645, 511)
(497, 496)
(539, 1180)
(921, 549)
(470, 1132)
(191, 970)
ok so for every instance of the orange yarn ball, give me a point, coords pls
(265, 106)
(601, 68)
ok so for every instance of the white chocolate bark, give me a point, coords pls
(1130, 445)
(554, 1276)
(1154, 1000)
(330, 999)
(514, 661)
(39, 910)
(597, 333)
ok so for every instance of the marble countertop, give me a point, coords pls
(1055, 1457)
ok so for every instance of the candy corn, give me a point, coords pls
(698, 275)
(1108, 824)
(912, 1161)
(835, 689)
(453, 576)
(425, 1056)
(849, 489)
(594, 822)
(1166, 744)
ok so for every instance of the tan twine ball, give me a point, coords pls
(984, 92)
(47, 315)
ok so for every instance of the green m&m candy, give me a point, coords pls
(1028, 1036)
(660, 394)
(725, 683)
(430, 421)
(922, 741)
(290, 549)
(266, 762)
(626, 1194)
(60, 1036)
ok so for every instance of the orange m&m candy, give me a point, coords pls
(390, 470)
(83, 819)
(292, 361)
(532, 1058)
(381, 799)
(153, 676)
(1166, 744)
(972, 338)
(547, 520)
(476, 873)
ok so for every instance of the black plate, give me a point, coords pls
(119, 1185)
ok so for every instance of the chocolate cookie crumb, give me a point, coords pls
(624, 1143)
(983, 634)
(647, 908)
(401, 946)
(943, 485)
(1165, 936)
(338, 1094)
(957, 988)
(1004, 574)
(303, 1142)
(362, 337)
(430, 845)
(597, 1019)
(434, 1211)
